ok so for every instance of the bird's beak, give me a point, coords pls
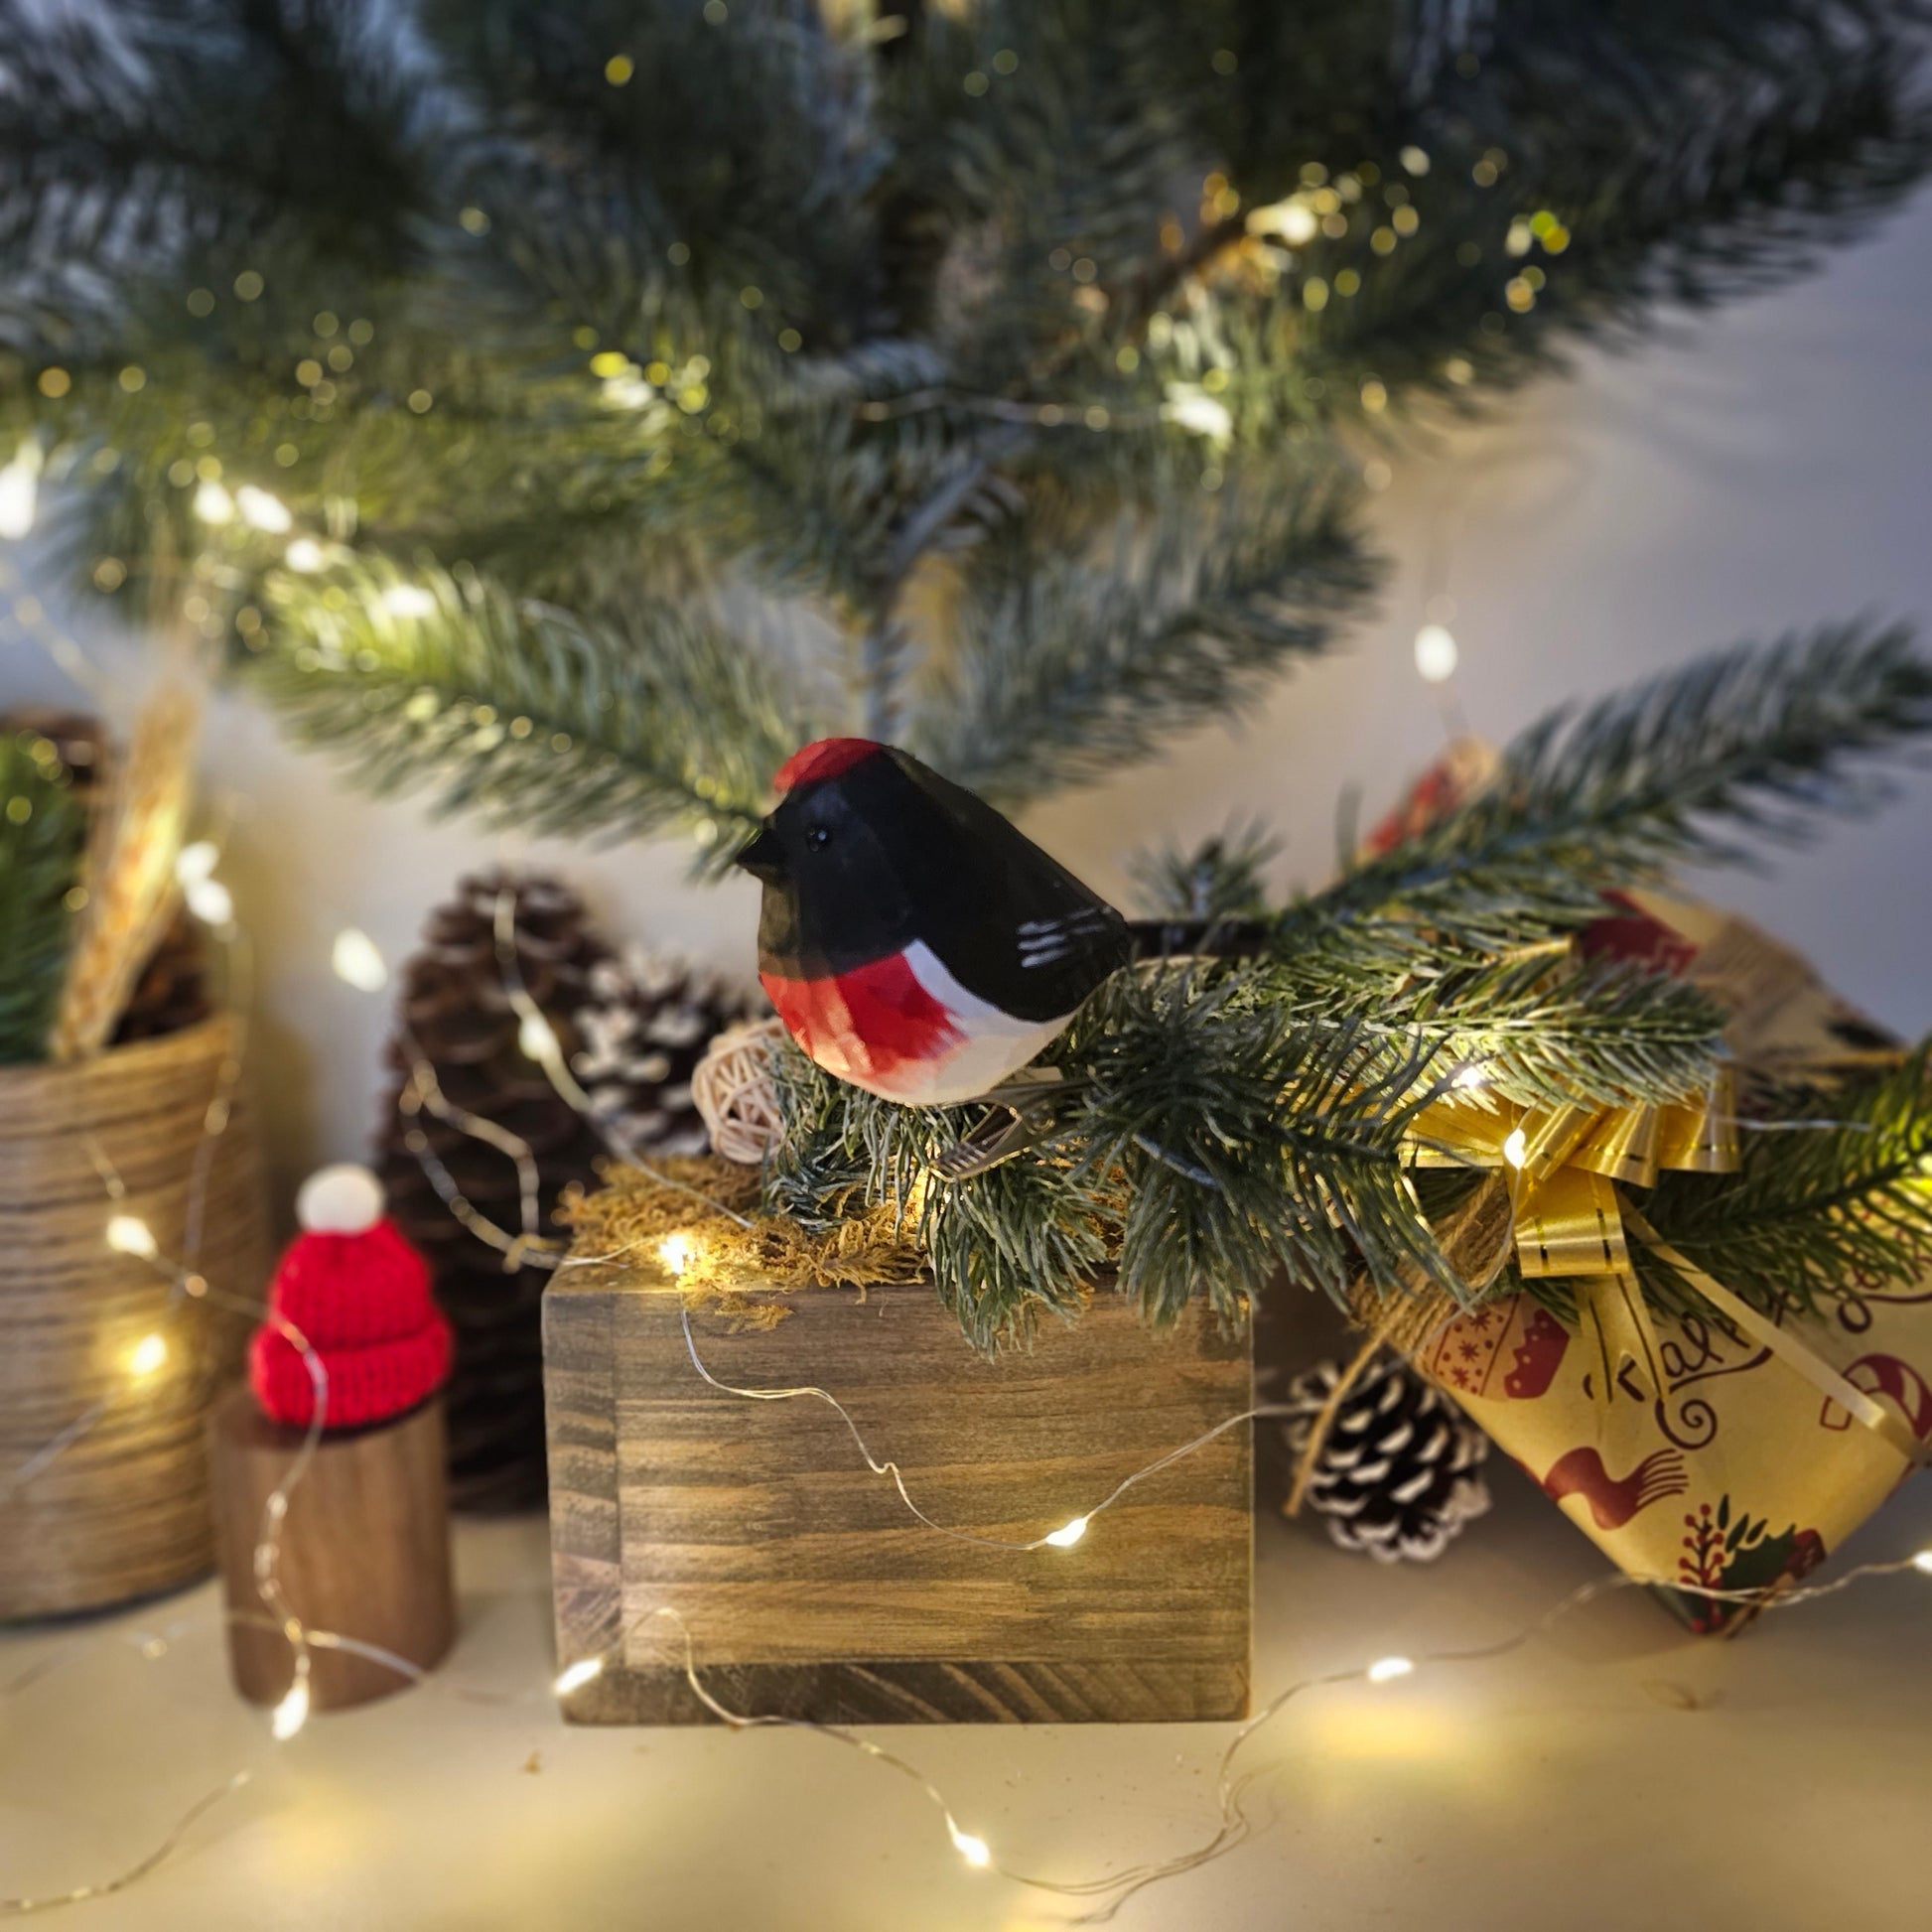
(760, 857)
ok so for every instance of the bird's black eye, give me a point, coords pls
(818, 837)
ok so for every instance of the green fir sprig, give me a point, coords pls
(955, 345)
(1231, 1120)
(439, 682)
(43, 831)
(1830, 1201)
(1757, 742)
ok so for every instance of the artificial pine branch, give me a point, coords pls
(1249, 1144)
(732, 154)
(1623, 155)
(1758, 741)
(1539, 1029)
(1833, 1200)
(1066, 667)
(528, 717)
(651, 300)
(1220, 1139)
(43, 831)
(1223, 878)
(1215, 1142)
(195, 125)
(1536, 1026)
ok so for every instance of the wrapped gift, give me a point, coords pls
(1728, 1456)
(1736, 1472)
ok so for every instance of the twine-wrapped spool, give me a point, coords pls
(123, 1510)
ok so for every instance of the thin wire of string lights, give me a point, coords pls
(1110, 1889)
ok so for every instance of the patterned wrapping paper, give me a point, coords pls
(1736, 1472)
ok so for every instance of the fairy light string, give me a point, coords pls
(292, 1712)
(129, 1235)
(677, 1252)
(1064, 1538)
(1112, 1888)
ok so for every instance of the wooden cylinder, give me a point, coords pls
(365, 1549)
(121, 1510)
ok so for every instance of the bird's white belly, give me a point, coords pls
(992, 1044)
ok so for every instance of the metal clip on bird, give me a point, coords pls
(1027, 1110)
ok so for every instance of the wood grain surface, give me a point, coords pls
(366, 1549)
(806, 1585)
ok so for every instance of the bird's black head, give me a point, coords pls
(830, 857)
(868, 851)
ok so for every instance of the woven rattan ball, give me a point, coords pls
(732, 1088)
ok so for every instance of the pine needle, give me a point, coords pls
(43, 835)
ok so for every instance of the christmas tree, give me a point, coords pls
(570, 411)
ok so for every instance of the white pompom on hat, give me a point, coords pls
(341, 1199)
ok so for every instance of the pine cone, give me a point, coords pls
(641, 1033)
(1397, 1475)
(453, 1010)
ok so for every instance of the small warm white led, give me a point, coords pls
(1471, 1076)
(1293, 220)
(264, 511)
(355, 958)
(1923, 1563)
(578, 1675)
(195, 861)
(292, 1712)
(409, 600)
(1436, 653)
(537, 1037)
(128, 1234)
(1191, 408)
(212, 504)
(148, 1355)
(1385, 1668)
(675, 1252)
(305, 554)
(19, 497)
(211, 901)
(1068, 1534)
(1516, 1150)
(974, 1850)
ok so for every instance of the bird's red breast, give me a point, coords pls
(872, 1024)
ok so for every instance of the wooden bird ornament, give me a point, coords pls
(913, 942)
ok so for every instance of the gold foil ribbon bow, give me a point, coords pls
(1564, 1164)
(1568, 1221)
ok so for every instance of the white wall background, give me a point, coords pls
(1766, 467)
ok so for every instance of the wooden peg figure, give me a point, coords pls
(364, 1546)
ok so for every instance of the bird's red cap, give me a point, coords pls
(824, 757)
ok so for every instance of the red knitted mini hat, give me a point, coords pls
(359, 1293)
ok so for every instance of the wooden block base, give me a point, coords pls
(364, 1551)
(808, 1589)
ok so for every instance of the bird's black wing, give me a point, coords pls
(1011, 924)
